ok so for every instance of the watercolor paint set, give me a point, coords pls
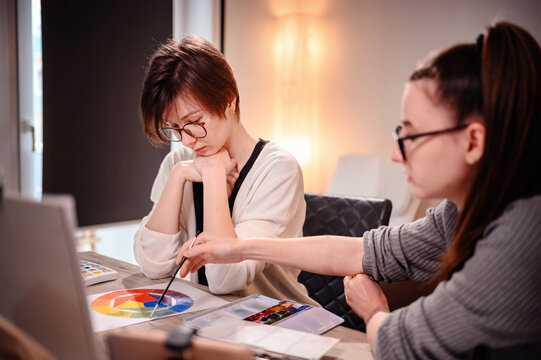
(276, 313)
(95, 273)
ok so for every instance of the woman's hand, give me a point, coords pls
(187, 171)
(219, 161)
(222, 162)
(364, 296)
(208, 248)
(231, 180)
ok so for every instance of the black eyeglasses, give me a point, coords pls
(194, 129)
(400, 140)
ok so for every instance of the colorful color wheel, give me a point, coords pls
(139, 303)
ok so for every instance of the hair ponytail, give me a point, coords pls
(509, 169)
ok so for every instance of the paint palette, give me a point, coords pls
(95, 273)
(278, 312)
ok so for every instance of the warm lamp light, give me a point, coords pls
(300, 147)
(298, 53)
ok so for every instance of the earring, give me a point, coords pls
(474, 159)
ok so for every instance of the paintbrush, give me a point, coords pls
(172, 278)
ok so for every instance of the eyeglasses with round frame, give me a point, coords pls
(400, 140)
(195, 129)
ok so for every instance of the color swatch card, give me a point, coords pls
(261, 309)
(131, 306)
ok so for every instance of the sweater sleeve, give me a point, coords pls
(272, 206)
(492, 302)
(156, 252)
(410, 251)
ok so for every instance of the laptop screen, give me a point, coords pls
(42, 291)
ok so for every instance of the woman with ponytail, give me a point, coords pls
(470, 133)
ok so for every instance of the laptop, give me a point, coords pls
(42, 289)
(43, 295)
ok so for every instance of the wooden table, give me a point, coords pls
(353, 343)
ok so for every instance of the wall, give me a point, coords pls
(201, 17)
(94, 59)
(9, 139)
(369, 48)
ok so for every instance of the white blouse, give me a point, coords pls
(270, 203)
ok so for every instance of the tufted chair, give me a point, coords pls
(345, 216)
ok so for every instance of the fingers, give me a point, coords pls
(183, 249)
(233, 166)
(191, 266)
(197, 266)
(231, 180)
(357, 288)
(208, 248)
(221, 159)
(193, 260)
(364, 295)
(358, 280)
(233, 175)
(347, 289)
(186, 267)
(201, 239)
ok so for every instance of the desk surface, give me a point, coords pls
(353, 343)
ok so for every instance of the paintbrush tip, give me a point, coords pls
(152, 313)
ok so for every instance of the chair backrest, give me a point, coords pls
(345, 216)
(387, 180)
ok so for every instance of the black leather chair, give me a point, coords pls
(346, 216)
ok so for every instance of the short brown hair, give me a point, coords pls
(192, 68)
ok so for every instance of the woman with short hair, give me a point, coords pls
(221, 180)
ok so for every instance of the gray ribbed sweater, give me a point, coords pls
(493, 302)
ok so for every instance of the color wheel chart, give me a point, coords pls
(139, 303)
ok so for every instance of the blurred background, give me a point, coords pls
(323, 78)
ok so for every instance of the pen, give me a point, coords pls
(173, 277)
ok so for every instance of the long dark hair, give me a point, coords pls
(498, 77)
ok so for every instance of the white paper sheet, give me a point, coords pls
(119, 308)
(267, 338)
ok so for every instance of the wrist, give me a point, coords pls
(242, 248)
(372, 326)
(180, 173)
(213, 174)
(375, 314)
